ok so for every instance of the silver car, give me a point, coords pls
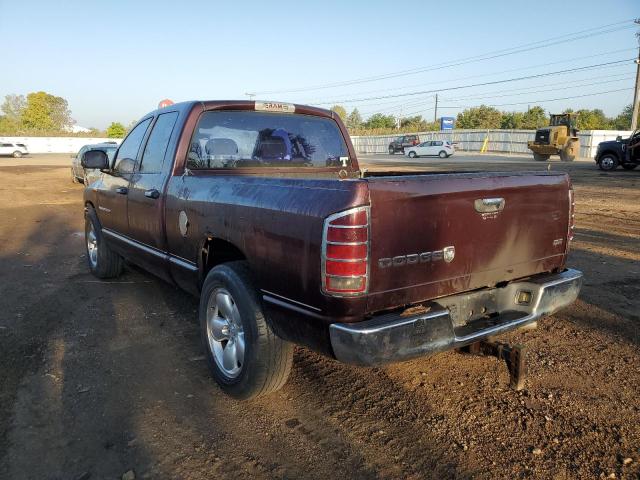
(79, 174)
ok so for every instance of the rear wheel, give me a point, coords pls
(103, 262)
(244, 355)
(629, 166)
(17, 154)
(412, 154)
(540, 157)
(442, 154)
(608, 163)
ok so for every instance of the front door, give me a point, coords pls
(113, 189)
(146, 199)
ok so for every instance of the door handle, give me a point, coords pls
(153, 193)
(122, 190)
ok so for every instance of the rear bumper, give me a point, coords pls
(393, 337)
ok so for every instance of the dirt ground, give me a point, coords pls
(100, 378)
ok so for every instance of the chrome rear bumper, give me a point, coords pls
(393, 337)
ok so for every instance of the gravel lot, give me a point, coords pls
(100, 378)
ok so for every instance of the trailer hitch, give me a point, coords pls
(513, 355)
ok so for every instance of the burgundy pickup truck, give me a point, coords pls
(262, 210)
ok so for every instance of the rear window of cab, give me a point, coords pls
(238, 139)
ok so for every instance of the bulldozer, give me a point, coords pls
(559, 138)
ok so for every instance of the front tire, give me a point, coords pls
(608, 163)
(392, 150)
(244, 355)
(103, 262)
(17, 154)
(412, 154)
(442, 154)
(566, 156)
(538, 157)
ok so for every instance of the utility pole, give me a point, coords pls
(636, 92)
(435, 112)
(250, 95)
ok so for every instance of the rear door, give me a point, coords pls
(439, 234)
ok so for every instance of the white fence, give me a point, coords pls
(56, 144)
(505, 141)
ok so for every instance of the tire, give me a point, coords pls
(608, 162)
(17, 154)
(629, 166)
(442, 154)
(565, 156)
(74, 179)
(412, 154)
(103, 262)
(264, 363)
(391, 150)
(538, 157)
(402, 150)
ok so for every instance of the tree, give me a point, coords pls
(340, 110)
(116, 130)
(46, 112)
(479, 117)
(592, 120)
(13, 107)
(623, 121)
(354, 120)
(511, 120)
(534, 118)
(378, 120)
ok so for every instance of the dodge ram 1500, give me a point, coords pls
(261, 210)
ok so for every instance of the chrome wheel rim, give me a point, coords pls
(607, 162)
(92, 246)
(225, 334)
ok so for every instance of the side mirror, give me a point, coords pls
(619, 138)
(95, 159)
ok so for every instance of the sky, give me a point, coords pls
(114, 61)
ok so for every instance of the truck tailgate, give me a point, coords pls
(438, 234)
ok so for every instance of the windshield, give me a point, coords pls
(233, 139)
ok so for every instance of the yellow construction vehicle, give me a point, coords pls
(559, 138)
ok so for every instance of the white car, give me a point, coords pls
(435, 148)
(16, 150)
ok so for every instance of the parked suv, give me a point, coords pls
(625, 152)
(79, 174)
(400, 143)
(16, 150)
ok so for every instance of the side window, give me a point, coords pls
(128, 152)
(154, 152)
(437, 144)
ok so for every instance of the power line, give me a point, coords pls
(588, 33)
(467, 77)
(518, 91)
(494, 82)
(540, 101)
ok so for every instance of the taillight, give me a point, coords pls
(345, 253)
(572, 216)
